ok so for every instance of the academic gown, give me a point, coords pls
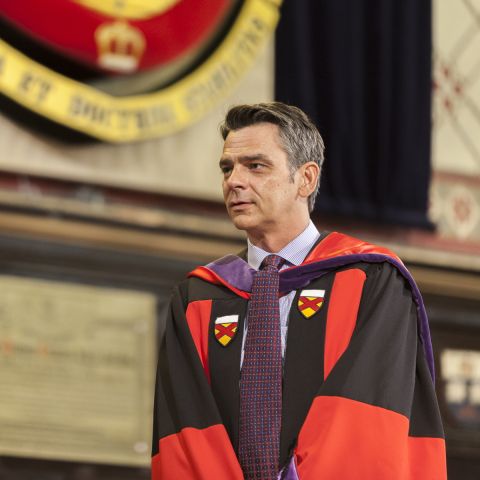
(358, 390)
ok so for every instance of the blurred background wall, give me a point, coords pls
(110, 192)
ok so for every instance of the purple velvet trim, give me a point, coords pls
(289, 472)
(235, 270)
(239, 274)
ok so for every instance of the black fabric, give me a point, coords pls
(303, 370)
(195, 289)
(362, 70)
(380, 360)
(425, 421)
(180, 399)
(224, 364)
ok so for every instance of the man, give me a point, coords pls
(308, 356)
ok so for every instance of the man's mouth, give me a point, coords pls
(239, 205)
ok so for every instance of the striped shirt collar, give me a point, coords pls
(294, 253)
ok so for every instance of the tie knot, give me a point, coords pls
(274, 261)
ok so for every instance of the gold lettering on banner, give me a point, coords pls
(244, 50)
(76, 371)
(89, 111)
(34, 86)
(84, 109)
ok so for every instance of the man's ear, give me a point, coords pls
(309, 173)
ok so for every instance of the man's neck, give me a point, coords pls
(273, 242)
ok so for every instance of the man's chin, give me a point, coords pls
(241, 225)
(242, 222)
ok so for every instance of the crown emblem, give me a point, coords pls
(120, 46)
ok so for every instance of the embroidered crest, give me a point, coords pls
(225, 329)
(310, 302)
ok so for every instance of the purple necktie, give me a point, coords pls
(261, 378)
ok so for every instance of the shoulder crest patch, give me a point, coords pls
(226, 329)
(310, 302)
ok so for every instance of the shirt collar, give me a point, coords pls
(294, 252)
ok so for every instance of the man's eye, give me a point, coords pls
(226, 169)
(255, 166)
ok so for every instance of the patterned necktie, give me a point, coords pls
(261, 378)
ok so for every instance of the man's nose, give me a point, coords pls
(237, 177)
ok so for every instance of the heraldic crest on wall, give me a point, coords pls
(124, 70)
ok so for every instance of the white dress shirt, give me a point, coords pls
(294, 254)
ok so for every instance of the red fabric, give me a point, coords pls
(196, 454)
(342, 315)
(423, 453)
(349, 440)
(211, 277)
(198, 319)
(337, 244)
(167, 35)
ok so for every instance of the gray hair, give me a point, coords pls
(301, 139)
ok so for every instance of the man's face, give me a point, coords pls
(260, 194)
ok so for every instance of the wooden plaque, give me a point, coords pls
(77, 367)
